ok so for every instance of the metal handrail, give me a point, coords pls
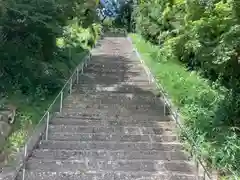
(173, 111)
(44, 121)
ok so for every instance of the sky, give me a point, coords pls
(110, 7)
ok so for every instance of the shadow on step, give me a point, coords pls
(112, 83)
(114, 34)
(111, 71)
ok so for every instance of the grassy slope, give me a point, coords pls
(199, 104)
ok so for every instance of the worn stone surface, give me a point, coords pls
(7, 117)
(8, 113)
(5, 129)
(112, 127)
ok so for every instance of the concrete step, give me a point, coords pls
(118, 81)
(107, 123)
(117, 64)
(132, 123)
(184, 167)
(129, 106)
(103, 104)
(151, 109)
(121, 110)
(128, 83)
(132, 70)
(110, 137)
(114, 113)
(98, 145)
(78, 122)
(116, 110)
(110, 76)
(116, 89)
(169, 130)
(114, 72)
(57, 154)
(80, 115)
(125, 84)
(99, 68)
(98, 137)
(117, 115)
(113, 97)
(156, 122)
(83, 175)
(121, 75)
(119, 59)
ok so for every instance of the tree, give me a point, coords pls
(29, 29)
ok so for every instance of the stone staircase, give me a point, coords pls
(112, 127)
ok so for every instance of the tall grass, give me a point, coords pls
(202, 107)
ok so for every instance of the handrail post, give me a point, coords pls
(177, 121)
(177, 116)
(48, 118)
(164, 108)
(89, 56)
(197, 169)
(82, 67)
(77, 75)
(149, 78)
(204, 175)
(24, 164)
(86, 62)
(70, 86)
(61, 101)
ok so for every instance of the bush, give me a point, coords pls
(29, 30)
(205, 34)
(41, 42)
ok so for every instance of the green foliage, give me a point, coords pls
(29, 30)
(41, 42)
(204, 106)
(107, 23)
(204, 36)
